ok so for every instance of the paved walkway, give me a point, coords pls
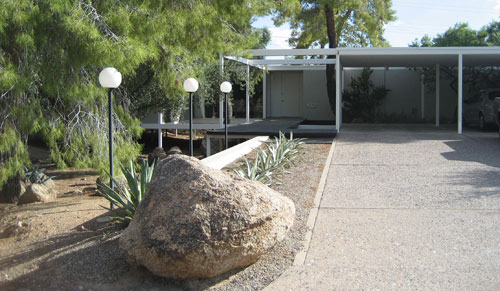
(406, 207)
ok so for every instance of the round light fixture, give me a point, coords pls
(110, 78)
(190, 85)
(226, 87)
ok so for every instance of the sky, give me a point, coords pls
(415, 18)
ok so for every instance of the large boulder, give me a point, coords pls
(38, 193)
(197, 222)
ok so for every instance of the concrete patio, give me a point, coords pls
(405, 207)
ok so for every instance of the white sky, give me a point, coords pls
(415, 18)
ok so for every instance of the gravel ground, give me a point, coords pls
(67, 245)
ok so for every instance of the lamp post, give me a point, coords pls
(110, 78)
(225, 88)
(190, 85)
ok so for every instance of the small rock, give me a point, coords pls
(157, 154)
(81, 228)
(38, 193)
(175, 150)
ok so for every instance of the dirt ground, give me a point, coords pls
(71, 244)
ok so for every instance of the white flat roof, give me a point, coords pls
(396, 57)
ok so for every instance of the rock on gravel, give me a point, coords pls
(197, 222)
(38, 193)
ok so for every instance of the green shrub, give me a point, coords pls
(127, 198)
(35, 175)
(276, 156)
(363, 98)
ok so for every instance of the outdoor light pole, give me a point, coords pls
(110, 78)
(190, 85)
(225, 88)
(110, 117)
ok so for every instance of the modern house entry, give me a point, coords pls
(287, 94)
(315, 60)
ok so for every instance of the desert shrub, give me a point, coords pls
(363, 98)
(276, 156)
(127, 198)
(35, 175)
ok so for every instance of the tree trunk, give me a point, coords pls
(330, 68)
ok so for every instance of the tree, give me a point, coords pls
(52, 51)
(336, 23)
(462, 35)
(363, 98)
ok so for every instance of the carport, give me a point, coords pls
(375, 57)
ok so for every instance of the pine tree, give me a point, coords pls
(51, 53)
(335, 23)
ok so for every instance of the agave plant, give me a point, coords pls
(277, 155)
(128, 197)
(35, 175)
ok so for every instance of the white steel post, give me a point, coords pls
(460, 93)
(221, 102)
(422, 95)
(160, 132)
(338, 99)
(264, 94)
(437, 94)
(247, 93)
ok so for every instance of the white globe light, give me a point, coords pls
(190, 85)
(226, 87)
(110, 78)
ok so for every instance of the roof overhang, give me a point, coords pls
(381, 57)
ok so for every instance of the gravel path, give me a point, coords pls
(80, 252)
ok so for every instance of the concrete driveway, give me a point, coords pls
(406, 207)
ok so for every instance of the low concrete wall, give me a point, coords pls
(226, 157)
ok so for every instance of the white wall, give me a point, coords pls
(404, 96)
(316, 104)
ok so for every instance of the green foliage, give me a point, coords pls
(234, 72)
(51, 53)
(35, 175)
(475, 78)
(334, 23)
(128, 198)
(274, 159)
(356, 23)
(13, 154)
(363, 98)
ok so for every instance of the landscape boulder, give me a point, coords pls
(157, 154)
(38, 193)
(197, 222)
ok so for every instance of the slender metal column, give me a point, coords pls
(460, 92)
(191, 124)
(247, 96)
(160, 131)
(422, 95)
(437, 94)
(338, 101)
(225, 120)
(111, 170)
